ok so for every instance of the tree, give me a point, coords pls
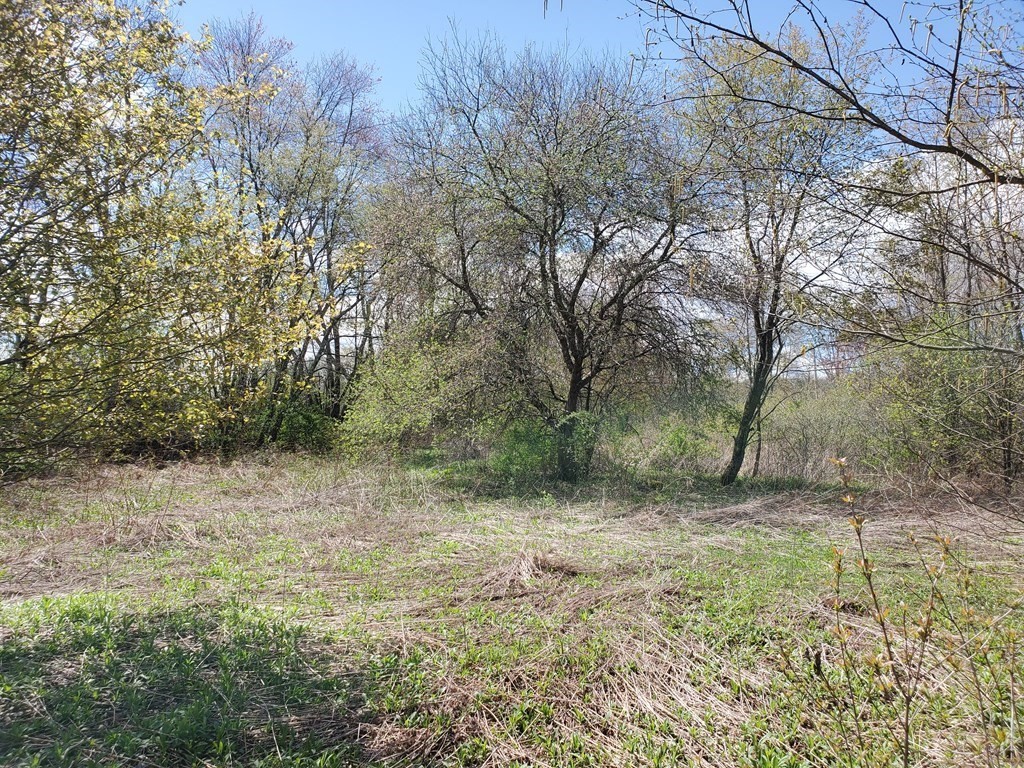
(948, 274)
(561, 215)
(942, 78)
(771, 174)
(290, 153)
(94, 121)
(939, 88)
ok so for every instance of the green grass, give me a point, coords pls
(297, 612)
(88, 681)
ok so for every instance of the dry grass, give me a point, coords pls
(544, 632)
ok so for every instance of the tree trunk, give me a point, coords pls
(757, 449)
(755, 399)
(573, 441)
(741, 440)
(568, 466)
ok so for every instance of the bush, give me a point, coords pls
(679, 437)
(421, 391)
(810, 421)
(575, 442)
(911, 655)
(305, 427)
(688, 444)
(524, 452)
(957, 411)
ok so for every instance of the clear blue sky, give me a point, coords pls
(390, 35)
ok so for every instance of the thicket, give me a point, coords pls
(551, 265)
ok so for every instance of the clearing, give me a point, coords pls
(294, 611)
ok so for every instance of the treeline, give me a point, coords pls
(755, 248)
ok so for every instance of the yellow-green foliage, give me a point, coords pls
(98, 123)
(140, 306)
(420, 388)
(954, 410)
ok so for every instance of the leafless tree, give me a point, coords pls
(564, 211)
(937, 77)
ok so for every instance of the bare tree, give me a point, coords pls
(564, 212)
(936, 77)
(291, 152)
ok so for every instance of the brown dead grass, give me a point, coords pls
(585, 571)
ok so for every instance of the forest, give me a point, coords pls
(655, 409)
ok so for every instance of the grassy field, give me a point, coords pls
(299, 612)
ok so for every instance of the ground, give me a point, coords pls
(294, 611)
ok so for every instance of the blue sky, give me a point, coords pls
(390, 35)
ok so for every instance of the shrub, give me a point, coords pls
(688, 444)
(955, 411)
(524, 452)
(942, 659)
(421, 391)
(303, 426)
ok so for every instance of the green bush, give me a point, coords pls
(689, 444)
(672, 441)
(958, 411)
(577, 438)
(809, 421)
(422, 391)
(525, 452)
(305, 427)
